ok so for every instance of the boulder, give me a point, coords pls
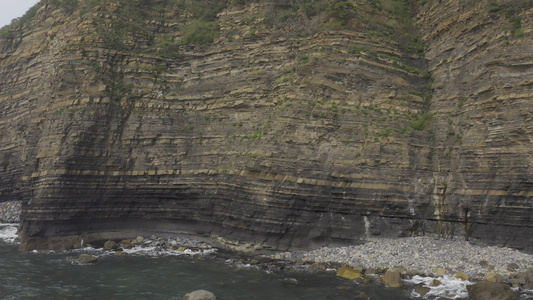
(87, 259)
(370, 271)
(126, 244)
(421, 290)
(199, 295)
(528, 285)
(110, 245)
(435, 282)
(402, 270)
(518, 278)
(462, 276)
(139, 239)
(493, 277)
(485, 265)
(359, 269)
(484, 290)
(349, 273)
(529, 274)
(392, 278)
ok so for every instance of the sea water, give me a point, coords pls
(146, 274)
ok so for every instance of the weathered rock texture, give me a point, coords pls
(278, 135)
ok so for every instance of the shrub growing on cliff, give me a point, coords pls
(341, 10)
(200, 32)
(164, 46)
(421, 122)
(313, 7)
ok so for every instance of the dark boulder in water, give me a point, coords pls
(484, 290)
(87, 259)
(110, 245)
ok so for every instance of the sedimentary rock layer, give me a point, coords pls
(267, 137)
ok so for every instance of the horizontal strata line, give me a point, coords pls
(272, 177)
(268, 198)
(243, 173)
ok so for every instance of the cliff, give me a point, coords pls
(271, 125)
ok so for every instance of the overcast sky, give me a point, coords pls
(11, 9)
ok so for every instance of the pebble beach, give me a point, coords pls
(10, 211)
(427, 256)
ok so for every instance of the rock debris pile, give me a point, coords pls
(428, 256)
(10, 211)
(395, 261)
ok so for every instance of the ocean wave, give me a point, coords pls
(159, 251)
(449, 287)
(8, 232)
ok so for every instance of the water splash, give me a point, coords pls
(8, 232)
(449, 287)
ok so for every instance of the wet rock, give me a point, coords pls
(484, 290)
(402, 270)
(139, 239)
(421, 290)
(87, 259)
(358, 268)
(127, 244)
(493, 277)
(110, 245)
(199, 295)
(529, 274)
(528, 285)
(435, 282)
(320, 266)
(370, 271)
(519, 278)
(349, 273)
(121, 253)
(462, 276)
(392, 278)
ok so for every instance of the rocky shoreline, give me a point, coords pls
(417, 259)
(410, 260)
(418, 262)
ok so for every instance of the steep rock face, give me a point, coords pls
(267, 137)
(482, 108)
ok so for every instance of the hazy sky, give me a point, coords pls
(11, 9)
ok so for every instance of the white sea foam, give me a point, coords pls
(525, 294)
(8, 232)
(158, 251)
(449, 287)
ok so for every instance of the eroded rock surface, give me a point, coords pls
(281, 134)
